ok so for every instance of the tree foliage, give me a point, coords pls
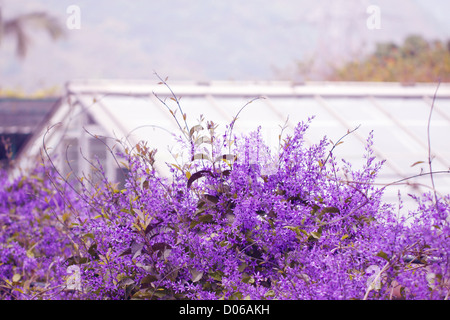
(416, 60)
(18, 27)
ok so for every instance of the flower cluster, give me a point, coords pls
(35, 239)
(235, 221)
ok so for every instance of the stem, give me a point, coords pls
(348, 214)
(376, 279)
(235, 118)
(336, 144)
(178, 104)
(429, 147)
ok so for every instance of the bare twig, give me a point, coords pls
(429, 147)
(377, 278)
(337, 143)
(175, 98)
(236, 117)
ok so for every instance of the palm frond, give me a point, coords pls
(18, 28)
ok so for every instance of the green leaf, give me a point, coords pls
(345, 236)
(160, 293)
(216, 275)
(142, 294)
(125, 210)
(246, 278)
(89, 235)
(76, 260)
(303, 231)
(314, 209)
(236, 296)
(383, 255)
(242, 267)
(269, 293)
(193, 224)
(316, 235)
(205, 218)
(125, 282)
(297, 230)
(199, 211)
(330, 210)
(201, 219)
(65, 216)
(223, 243)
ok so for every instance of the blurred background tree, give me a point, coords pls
(18, 27)
(21, 27)
(416, 60)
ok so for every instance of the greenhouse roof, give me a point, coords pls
(398, 115)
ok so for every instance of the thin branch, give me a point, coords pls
(337, 143)
(236, 117)
(108, 148)
(429, 146)
(174, 97)
(59, 173)
(377, 278)
(350, 213)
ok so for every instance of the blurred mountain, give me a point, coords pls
(210, 40)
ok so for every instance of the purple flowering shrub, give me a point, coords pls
(233, 221)
(34, 236)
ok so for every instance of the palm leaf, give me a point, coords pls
(17, 27)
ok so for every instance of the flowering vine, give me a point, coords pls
(236, 220)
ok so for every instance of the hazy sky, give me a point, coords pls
(207, 39)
